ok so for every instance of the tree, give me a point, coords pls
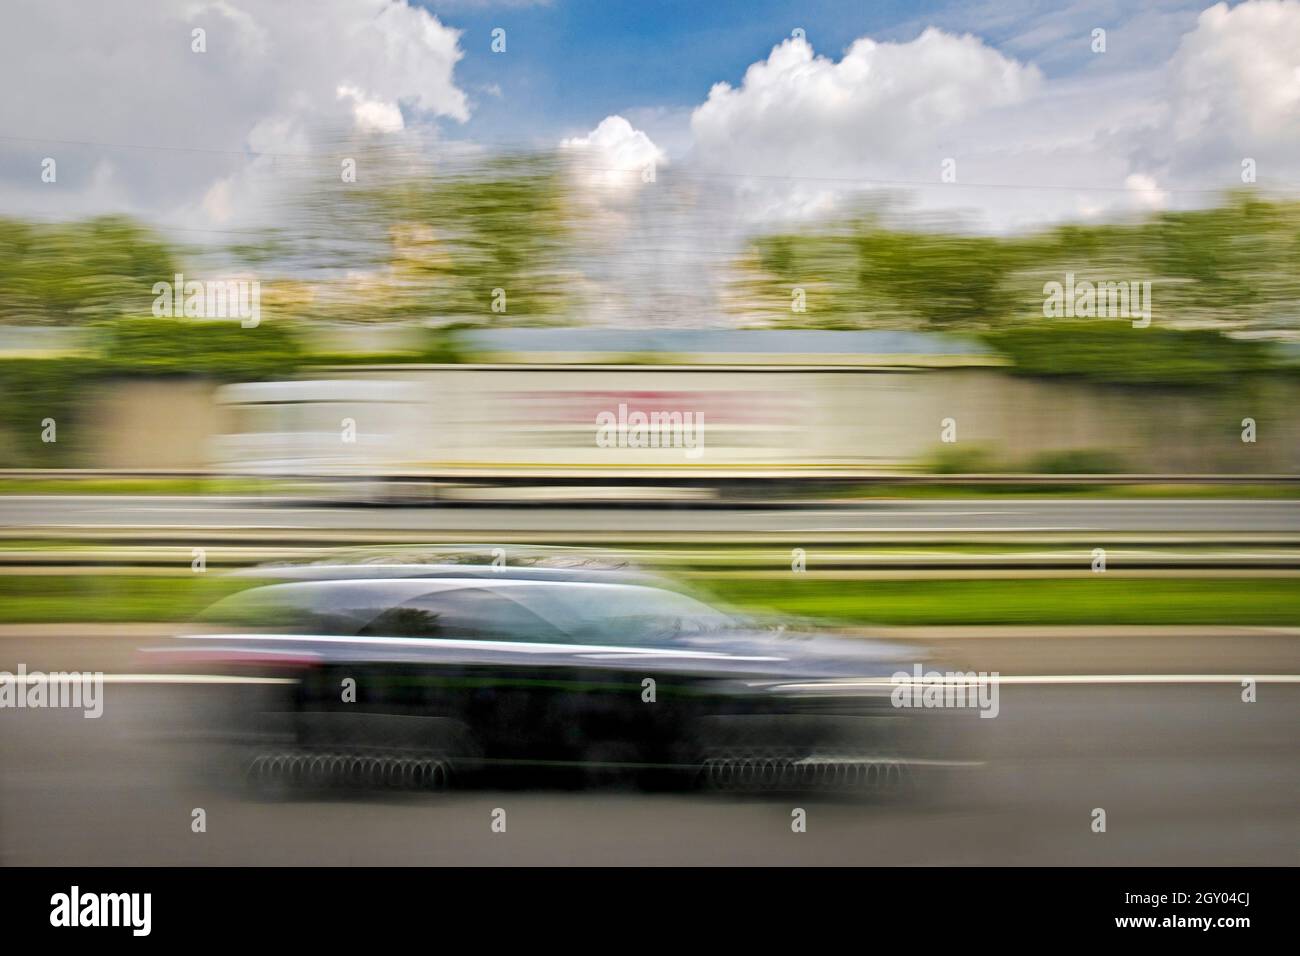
(72, 273)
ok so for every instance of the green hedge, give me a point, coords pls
(218, 349)
(1112, 351)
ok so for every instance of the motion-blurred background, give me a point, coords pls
(876, 413)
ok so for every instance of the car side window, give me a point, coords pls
(472, 614)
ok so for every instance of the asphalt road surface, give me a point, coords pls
(1187, 774)
(479, 522)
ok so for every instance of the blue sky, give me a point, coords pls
(570, 63)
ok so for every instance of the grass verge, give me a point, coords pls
(1094, 600)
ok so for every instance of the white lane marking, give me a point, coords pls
(1038, 679)
(1050, 679)
(869, 512)
(58, 677)
(1153, 679)
(926, 528)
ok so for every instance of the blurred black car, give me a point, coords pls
(415, 675)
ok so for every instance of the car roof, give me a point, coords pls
(521, 561)
(408, 587)
(388, 572)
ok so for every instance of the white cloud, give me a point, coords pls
(801, 129)
(614, 156)
(1233, 92)
(620, 193)
(879, 102)
(287, 77)
(803, 132)
(1146, 191)
(372, 115)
